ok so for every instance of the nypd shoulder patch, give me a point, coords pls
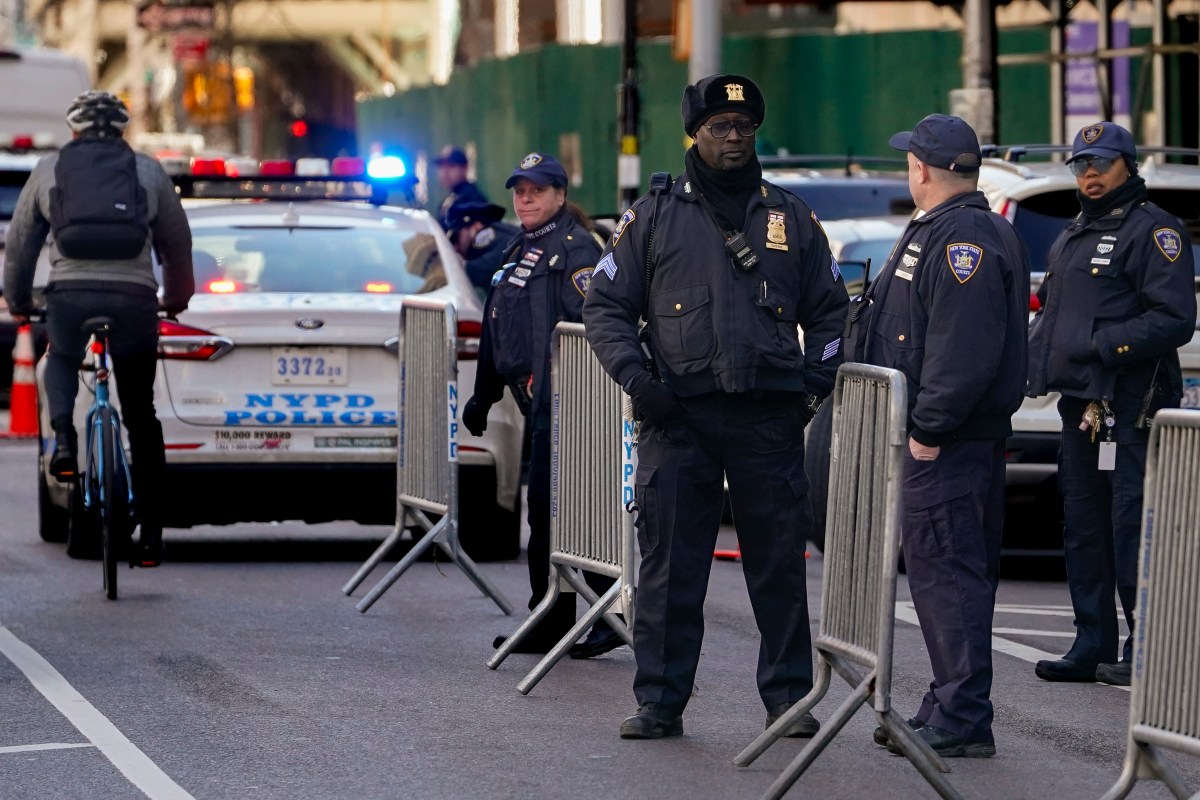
(1169, 242)
(607, 265)
(623, 223)
(582, 279)
(964, 260)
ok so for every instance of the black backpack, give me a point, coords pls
(98, 207)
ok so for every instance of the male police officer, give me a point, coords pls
(723, 266)
(1118, 299)
(477, 234)
(950, 311)
(452, 175)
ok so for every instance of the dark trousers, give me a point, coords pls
(1103, 519)
(952, 524)
(562, 615)
(133, 347)
(758, 446)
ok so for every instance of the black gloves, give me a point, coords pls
(652, 399)
(474, 416)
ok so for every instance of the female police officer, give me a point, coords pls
(548, 270)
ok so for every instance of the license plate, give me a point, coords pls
(1191, 393)
(309, 366)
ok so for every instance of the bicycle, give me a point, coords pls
(104, 484)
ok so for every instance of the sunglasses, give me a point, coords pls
(1080, 166)
(721, 128)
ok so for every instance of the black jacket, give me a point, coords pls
(713, 326)
(1118, 296)
(950, 310)
(485, 257)
(544, 281)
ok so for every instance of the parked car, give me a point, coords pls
(840, 188)
(278, 387)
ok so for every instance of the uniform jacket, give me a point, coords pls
(543, 283)
(170, 235)
(483, 262)
(1118, 296)
(713, 326)
(950, 310)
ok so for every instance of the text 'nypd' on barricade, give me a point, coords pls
(591, 525)
(426, 448)
(862, 547)
(1164, 707)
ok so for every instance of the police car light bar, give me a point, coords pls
(289, 188)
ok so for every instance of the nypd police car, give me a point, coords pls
(277, 388)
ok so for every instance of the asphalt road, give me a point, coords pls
(239, 670)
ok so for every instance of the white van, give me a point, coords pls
(39, 86)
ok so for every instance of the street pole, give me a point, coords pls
(977, 98)
(705, 59)
(629, 162)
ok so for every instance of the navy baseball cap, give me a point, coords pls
(464, 213)
(541, 168)
(942, 141)
(1105, 139)
(451, 155)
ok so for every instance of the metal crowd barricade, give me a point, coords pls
(591, 484)
(426, 448)
(858, 601)
(1164, 706)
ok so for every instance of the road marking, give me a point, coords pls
(29, 748)
(135, 765)
(1031, 632)
(906, 613)
(1035, 612)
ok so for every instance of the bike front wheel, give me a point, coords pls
(114, 498)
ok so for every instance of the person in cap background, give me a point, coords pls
(736, 264)
(452, 175)
(546, 275)
(950, 311)
(1117, 301)
(477, 234)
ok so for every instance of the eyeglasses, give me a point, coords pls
(1080, 166)
(721, 128)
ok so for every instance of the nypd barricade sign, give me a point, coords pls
(427, 457)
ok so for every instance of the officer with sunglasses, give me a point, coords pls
(722, 266)
(1117, 301)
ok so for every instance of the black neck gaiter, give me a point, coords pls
(727, 191)
(1130, 191)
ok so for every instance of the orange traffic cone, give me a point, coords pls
(22, 406)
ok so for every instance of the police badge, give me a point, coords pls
(1169, 243)
(530, 161)
(733, 91)
(776, 231)
(1091, 133)
(964, 260)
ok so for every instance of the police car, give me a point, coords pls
(277, 388)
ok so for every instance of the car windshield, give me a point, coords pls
(851, 197)
(10, 190)
(325, 259)
(1040, 219)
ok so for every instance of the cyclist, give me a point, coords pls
(122, 288)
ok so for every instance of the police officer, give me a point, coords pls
(544, 282)
(723, 266)
(477, 234)
(950, 311)
(452, 175)
(1117, 300)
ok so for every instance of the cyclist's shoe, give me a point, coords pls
(149, 551)
(63, 465)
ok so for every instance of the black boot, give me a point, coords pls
(63, 464)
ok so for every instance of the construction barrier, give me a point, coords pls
(862, 548)
(591, 494)
(1164, 707)
(426, 448)
(22, 404)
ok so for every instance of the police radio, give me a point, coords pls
(743, 254)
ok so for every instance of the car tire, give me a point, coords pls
(486, 530)
(816, 465)
(54, 523)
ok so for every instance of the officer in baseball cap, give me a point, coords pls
(452, 168)
(541, 168)
(942, 141)
(1104, 140)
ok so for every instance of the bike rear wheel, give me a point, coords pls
(113, 497)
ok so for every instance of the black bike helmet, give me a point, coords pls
(100, 113)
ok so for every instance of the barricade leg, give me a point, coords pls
(464, 562)
(772, 734)
(619, 626)
(1127, 778)
(564, 644)
(920, 755)
(1165, 771)
(402, 565)
(537, 615)
(372, 562)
